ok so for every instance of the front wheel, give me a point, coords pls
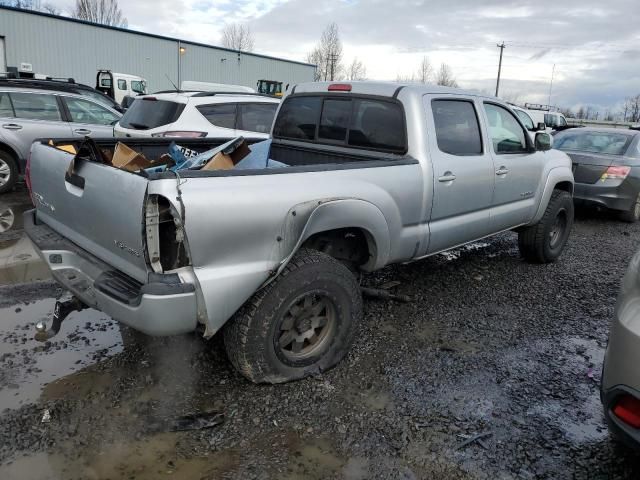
(8, 172)
(301, 323)
(544, 241)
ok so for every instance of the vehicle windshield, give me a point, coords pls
(139, 86)
(146, 113)
(595, 142)
(525, 119)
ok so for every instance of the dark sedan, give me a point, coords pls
(606, 168)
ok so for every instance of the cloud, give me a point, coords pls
(593, 45)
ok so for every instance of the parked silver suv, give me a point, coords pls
(30, 113)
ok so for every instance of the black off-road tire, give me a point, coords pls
(7, 159)
(633, 214)
(252, 336)
(544, 241)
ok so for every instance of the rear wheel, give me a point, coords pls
(302, 323)
(8, 172)
(544, 241)
(633, 214)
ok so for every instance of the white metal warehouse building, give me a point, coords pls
(63, 47)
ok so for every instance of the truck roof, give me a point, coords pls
(385, 89)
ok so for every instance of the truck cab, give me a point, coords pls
(120, 85)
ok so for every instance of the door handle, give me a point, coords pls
(447, 177)
(82, 131)
(502, 171)
(12, 126)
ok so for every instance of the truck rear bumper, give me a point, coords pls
(164, 306)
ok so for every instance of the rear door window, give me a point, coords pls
(6, 109)
(145, 114)
(256, 117)
(36, 106)
(457, 128)
(122, 84)
(220, 114)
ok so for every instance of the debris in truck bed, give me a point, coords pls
(128, 159)
(235, 149)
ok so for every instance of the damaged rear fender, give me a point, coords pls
(311, 218)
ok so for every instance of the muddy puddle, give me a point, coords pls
(19, 262)
(26, 365)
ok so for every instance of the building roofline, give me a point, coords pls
(152, 35)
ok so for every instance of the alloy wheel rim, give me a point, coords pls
(6, 219)
(557, 230)
(306, 326)
(5, 172)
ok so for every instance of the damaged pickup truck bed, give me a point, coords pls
(377, 173)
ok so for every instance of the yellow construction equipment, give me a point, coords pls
(270, 87)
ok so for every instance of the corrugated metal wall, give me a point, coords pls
(62, 48)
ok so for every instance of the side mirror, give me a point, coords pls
(541, 127)
(543, 141)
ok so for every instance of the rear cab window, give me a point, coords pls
(370, 123)
(147, 113)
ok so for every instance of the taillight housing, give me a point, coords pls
(181, 133)
(339, 87)
(615, 173)
(627, 409)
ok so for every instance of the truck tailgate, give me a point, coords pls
(104, 217)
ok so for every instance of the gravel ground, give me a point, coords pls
(491, 347)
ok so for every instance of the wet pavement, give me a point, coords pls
(491, 349)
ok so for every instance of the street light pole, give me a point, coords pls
(501, 46)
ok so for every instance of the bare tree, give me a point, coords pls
(237, 36)
(327, 55)
(425, 71)
(356, 70)
(106, 12)
(445, 76)
(35, 5)
(632, 109)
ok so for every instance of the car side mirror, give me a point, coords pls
(541, 127)
(543, 141)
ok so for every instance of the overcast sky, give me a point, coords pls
(595, 45)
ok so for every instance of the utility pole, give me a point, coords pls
(501, 46)
(333, 57)
(551, 84)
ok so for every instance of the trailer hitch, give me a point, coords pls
(60, 312)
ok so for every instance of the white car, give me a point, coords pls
(543, 114)
(526, 119)
(199, 114)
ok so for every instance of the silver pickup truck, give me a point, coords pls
(378, 173)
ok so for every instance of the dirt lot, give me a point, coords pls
(490, 346)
